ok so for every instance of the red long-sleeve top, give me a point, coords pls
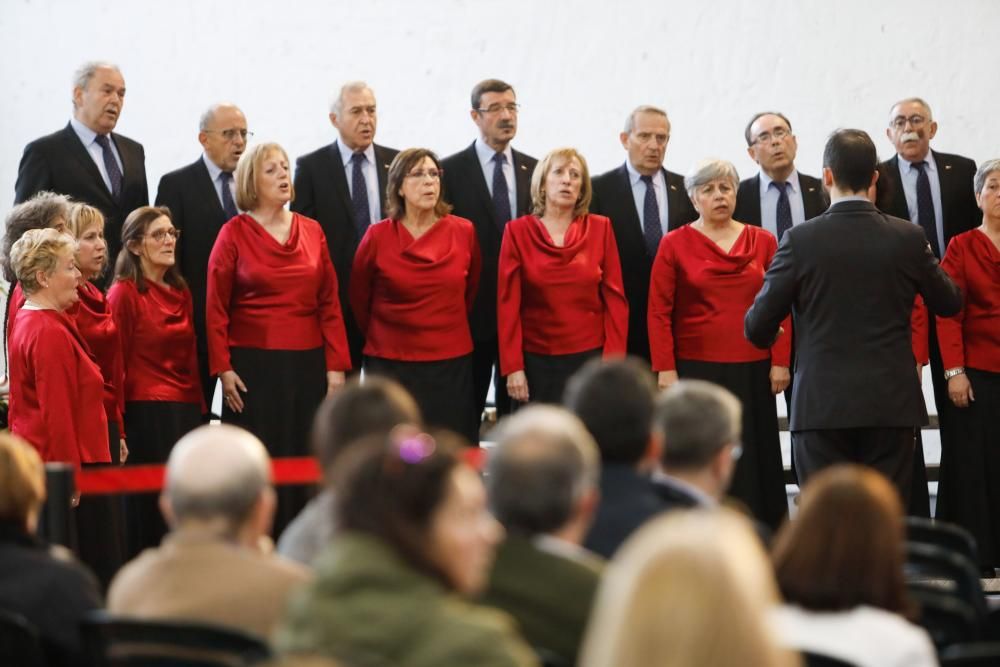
(699, 295)
(559, 299)
(97, 325)
(273, 296)
(56, 390)
(158, 345)
(919, 329)
(972, 338)
(411, 297)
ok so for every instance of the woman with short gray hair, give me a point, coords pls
(705, 276)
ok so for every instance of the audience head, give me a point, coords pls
(561, 180)
(98, 96)
(218, 481)
(44, 262)
(222, 132)
(711, 185)
(911, 128)
(771, 144)
(86, 224)
(646, 135)
(353, 113)
(845, 547)
(45, 209)
(849, 162)
(543, 474)
(22, 483)
(413, 492)
(263, 178)
(699, 426)
(987, 188)
(614, 400)
(149, 244)
(494, 111)
(691, 588)
(414, 185)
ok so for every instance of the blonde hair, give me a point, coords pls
(38, 250)
(246, 174)
(691, 588)
(81, 218)
(542, 170)
(22, 479)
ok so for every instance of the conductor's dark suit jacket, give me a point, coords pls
(849, 278)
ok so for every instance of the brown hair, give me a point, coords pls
(128, 266)
(542, 170)
(22, 479)
(81, 218)
(845, 548)
(246, 174)
(395, 205)
(488, 86)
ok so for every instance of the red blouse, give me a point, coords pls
(919, 329)
(972, 338)
(97, 326)
(273, 296)
(559, 300)
(56, 397)
(699, 295)
(411, 297)
(158, 346)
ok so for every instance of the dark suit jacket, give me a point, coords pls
(612, 197)
(321, 193)
(958, 200)
(466, 190)
(59, 163)
(849, 278)
(628, 499)
(814, 199)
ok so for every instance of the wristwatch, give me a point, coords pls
(952, 372)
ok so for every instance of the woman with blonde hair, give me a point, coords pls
(690, 588)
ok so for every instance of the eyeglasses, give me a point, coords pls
(160, 235)
(765, 137)
(916, 120)
(232, 133)
(497, 108)
(433, 174)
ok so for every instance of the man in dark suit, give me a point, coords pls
(342, 185)
(644, 202)
(489, 183)
(849, 277)
(86, 159)
(201, 198)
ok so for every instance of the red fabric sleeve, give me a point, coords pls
(613, 295)
(338, 356)
(122, 299)
(362, 274)
(919, 329)
(509, 306)
(475, 269)
(949, 329)
(221, 272)
(662, 288)
(56, 383)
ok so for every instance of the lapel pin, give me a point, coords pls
(674, 188)
(947, 166)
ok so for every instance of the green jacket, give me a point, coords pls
(368, 608)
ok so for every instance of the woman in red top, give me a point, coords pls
(969, 492)
(704, 278)
(273, 321)
(560, 299)
(152, 309)
(412, 284)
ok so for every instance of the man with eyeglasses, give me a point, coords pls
(342, 186)
(202, 197)
(644, 202)
(489, 183)
(779, 196)
(87, 160)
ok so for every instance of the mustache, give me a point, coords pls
(910, 136)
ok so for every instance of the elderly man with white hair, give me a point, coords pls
(214, 566)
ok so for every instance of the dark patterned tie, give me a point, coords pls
(783, 218)
(652, 232)
(359, 194)
(111, 166)
(925, 208)
(228, 205)
(501, 193)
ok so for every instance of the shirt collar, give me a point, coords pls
(346, 153)
(213, 169)
(486, 153)
(793, 180)
(634, 176)
(86, 134)
(931, 164)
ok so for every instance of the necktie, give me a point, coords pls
(783, 218)
(652, 232)
(501, 193)
(111, 166)
(359, 194)
(925, 208)
(228, 205)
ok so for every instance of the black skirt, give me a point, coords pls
(759, 479)
(969, 489)
(443, 390)
(152, 428)
(548, 373)
(100, 526)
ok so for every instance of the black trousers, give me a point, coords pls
(485, 356)
(888, 450)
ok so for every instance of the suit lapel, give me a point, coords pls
(674, 202)
(382, 169)
(206, 188)
(474, 172)
(898, 195)
(76, 148)
(813, 202)
(948, 184)
(629, 225)
(522, 180)
(336, 170)
(130, 163)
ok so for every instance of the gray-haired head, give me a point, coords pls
(643, 108)
(543, 463)
(43, 210)
(86, 71)
(985, 169)
(696, 419)
(337, 104)
(912, 100)
(709, 170)
(205, 121)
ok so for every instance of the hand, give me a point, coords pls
(920, 373)
(232, 385)
(780, 379)
(74, 501)
(960, 390)
(666, 378)
(517, 386)
(334, 381)
(122, 451)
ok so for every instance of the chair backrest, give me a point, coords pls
(114, 641)
(943, 534)
(954, 574)
(980, 654)
(818, 660)
(19, 641)
(947, 619)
